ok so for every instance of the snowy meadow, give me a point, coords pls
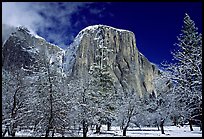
(170, 131)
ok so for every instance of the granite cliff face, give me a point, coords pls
(25, 50)
(129, 68)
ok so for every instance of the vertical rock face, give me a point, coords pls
(25, 50)
(129, 68)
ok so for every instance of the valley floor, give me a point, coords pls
(170, 131)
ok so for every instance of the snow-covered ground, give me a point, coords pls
(170, 131)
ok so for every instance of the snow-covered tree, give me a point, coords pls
(159, 110)
(129, 108)
(160, 106)
(49, 106)
(15, 99)
(80, 110)
(187, 72)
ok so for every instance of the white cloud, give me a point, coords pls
(19, 13)
(30, 15)
(40, 16)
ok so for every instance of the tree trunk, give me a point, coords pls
(34, 128)
(122, 124)
(85, 128)
(14, 114)
(174, 120)
(162, 126)
(201, 127)
(49, 125)
(50, 122)
(108, 126)
(92, 127)
(6, 130)
(98, 128)
(4, 133)
(13, 129)
(53, 132)
(13, 133)
(201, 119)
(158, 126)
(126, 126)
(190, 124)
(62, 130)
(47, 132)
(124, 131)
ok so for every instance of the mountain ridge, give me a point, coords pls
(130, 69)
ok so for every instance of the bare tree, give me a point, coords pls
(15, 99)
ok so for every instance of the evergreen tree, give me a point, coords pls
(187, 72)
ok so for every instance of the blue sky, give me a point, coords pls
(155, 24)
